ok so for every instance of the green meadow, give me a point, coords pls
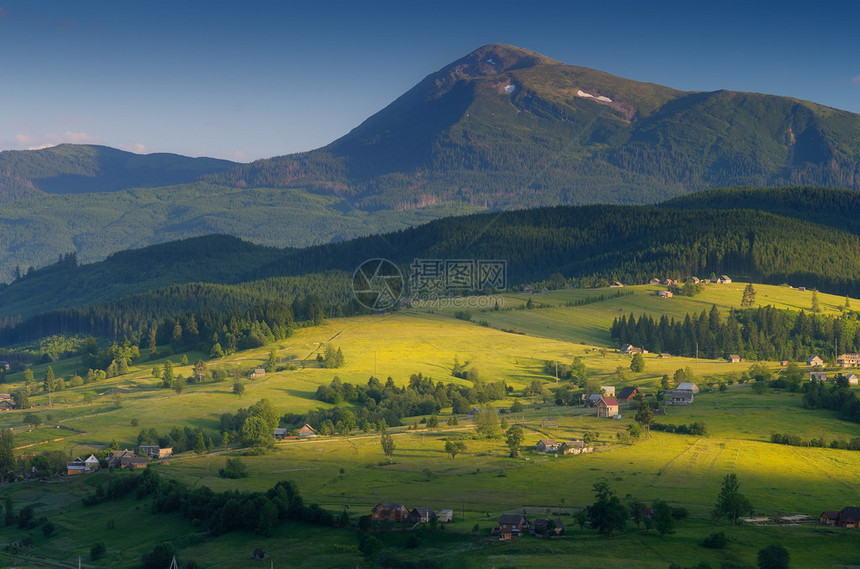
(351, 473)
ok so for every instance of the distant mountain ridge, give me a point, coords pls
(76, 169)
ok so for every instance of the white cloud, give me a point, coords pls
(36, 142)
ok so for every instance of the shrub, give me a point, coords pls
(97, 551)
(716, 540)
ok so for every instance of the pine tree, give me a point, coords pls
(748, 299)
(816, 307)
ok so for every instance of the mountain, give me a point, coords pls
(579, 245)
(76, 169)
(502, 128)
(506, 127)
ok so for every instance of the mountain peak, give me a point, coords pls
(496, 58)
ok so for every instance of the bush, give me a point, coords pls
(97, 551)
(234, 468)
(48, 529)
(716, 540)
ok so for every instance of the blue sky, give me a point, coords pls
(255, 79)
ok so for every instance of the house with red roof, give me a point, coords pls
(607, 407)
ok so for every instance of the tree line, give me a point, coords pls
(764, 333)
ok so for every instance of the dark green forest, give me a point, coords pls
(128, 293)
(763, 333)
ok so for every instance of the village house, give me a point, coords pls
(77, 467)
(307, 431)
(593, 399)
(631, 349)
(391, 512)
(616, 284)
(446, 515)
(512, 525)
(576, 446)
(607, 390)
(155, 452)
(733, 359)
(627, 394)
(81, 466)
(543, 527)
(829, 518)
(607, 407)
(684, 397)
(817, 376)
(280, 433)
(814, 361)
(126, 459)
(546, 445)
(687, 386)
(259, 372)
(852, 378)
(654, 281)
(421, 515)
(664, 293)
(845, 518)
(724, 279)
(848, 360)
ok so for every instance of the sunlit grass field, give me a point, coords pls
(479, 484)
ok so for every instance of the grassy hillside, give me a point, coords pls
(483, 481)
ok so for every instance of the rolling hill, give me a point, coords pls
(82, 168)
(578, 245)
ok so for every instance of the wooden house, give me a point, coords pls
(684, 397)
(542, 527)
(307, 431)
(421, 515)
(616, 284)
(687, 386)
(280, 433)
(546, 445)
(446, 515)
(576, 447)
(848, 360)
(607, 407)
(814, 361)
(631, 349)
(829, 518)
(259, 372)
(627, 394)
(76, 467)
(654, 281)
(512, 525)
(391, 512)
(817, 376)
(664, 293)
(155, 452)
(733, 359)
(849, 517)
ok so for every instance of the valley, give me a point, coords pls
(351, 471)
